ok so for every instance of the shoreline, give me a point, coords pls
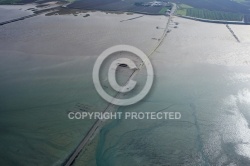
(115, 11)
(158, 14)
(65, 7)
(214, 21)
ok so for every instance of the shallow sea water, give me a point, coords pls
(200, 70)
(46, 67)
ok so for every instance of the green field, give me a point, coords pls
(182, 9)
(213, 15)
(164, 10)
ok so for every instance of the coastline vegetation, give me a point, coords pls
(214, 15)
(164, 10)
(182, 9)
(186, 10)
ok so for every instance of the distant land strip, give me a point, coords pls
(29, 16)
(215, 21)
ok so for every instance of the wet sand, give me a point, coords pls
(46, 71)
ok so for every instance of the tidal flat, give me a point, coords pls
(46, 67)
(202, 71)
